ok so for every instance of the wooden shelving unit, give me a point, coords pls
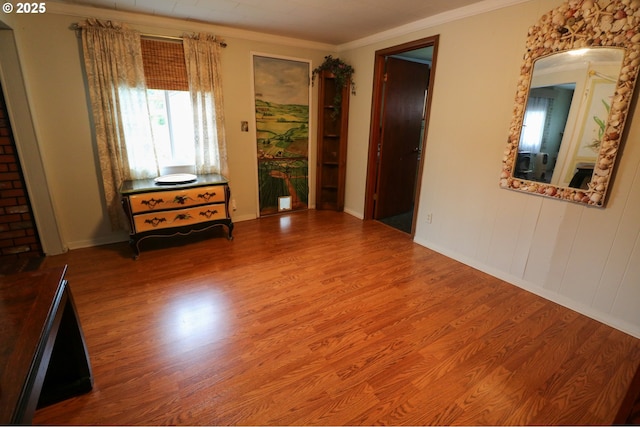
(332, 144)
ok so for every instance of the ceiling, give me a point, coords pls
(325, 21)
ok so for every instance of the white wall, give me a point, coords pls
(582, 257)
(585, 258)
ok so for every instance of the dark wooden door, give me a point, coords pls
(399, 151)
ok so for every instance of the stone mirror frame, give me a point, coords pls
(579, 24)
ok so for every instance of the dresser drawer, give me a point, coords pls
(178, 217)
(160, 200)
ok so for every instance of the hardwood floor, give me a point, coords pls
(318, 318)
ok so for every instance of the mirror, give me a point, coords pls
(565, 115)
(576, 83)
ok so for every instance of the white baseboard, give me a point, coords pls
(99, 241)
(354, 213)
(240, 218)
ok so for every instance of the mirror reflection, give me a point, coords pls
(566, 114)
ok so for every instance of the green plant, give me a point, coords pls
(342, 73)
(601, 128)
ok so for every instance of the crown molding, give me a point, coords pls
(175, 26)
(432, 21)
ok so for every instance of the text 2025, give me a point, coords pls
(31, 7)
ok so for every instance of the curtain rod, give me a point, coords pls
(160, 36)
(222, 43)
(176, 38)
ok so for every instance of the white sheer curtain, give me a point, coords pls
(117, 91)
(202, 55)
(534, 124)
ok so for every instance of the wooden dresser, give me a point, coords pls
(161, 210)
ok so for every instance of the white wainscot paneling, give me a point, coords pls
(560, 245)
(619, 286)
(504, 239)
(589, 252)
(525, 235)
(541, 253)
(627, 302)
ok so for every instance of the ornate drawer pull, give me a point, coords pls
(181, 200)
(207, 196)
(209, 213)
(182, 217)
(152, 203)
(155, 221)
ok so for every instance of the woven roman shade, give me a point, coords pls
(164, 64)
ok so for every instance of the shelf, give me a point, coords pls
(332, 145)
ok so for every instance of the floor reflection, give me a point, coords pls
(195, 320)
(285, 222)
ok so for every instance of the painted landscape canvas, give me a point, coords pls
(282, 133)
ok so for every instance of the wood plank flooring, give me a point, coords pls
(319, 318)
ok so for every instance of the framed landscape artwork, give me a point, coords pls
(282, 98)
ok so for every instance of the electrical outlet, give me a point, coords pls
(429, 218)
(233, 204)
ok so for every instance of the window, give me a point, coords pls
(533, 128)
(172, 125)
(169, 100)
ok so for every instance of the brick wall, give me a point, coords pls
(18, 234)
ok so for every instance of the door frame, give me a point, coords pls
(29, 155)
(376, 118)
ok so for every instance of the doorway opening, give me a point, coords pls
(402, 93)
